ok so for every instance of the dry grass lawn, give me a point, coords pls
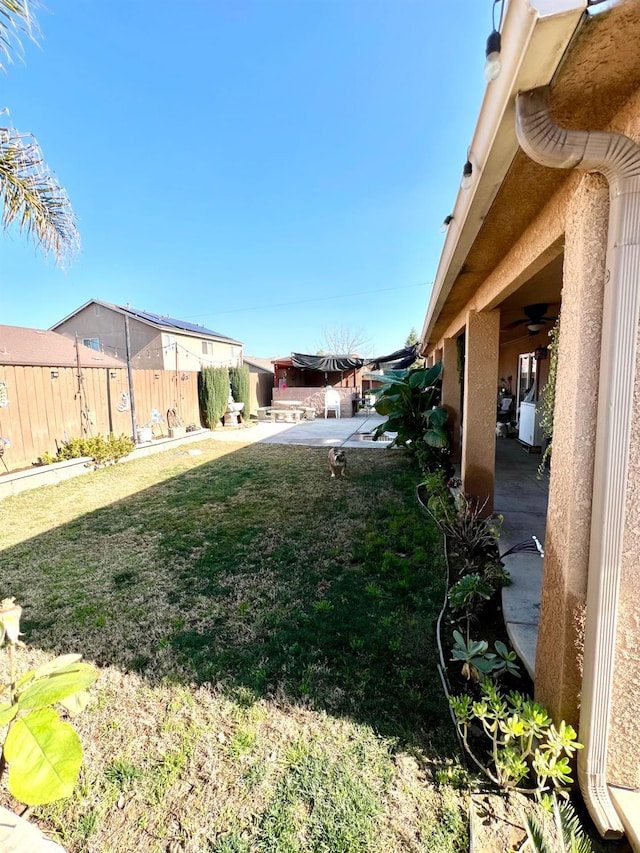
(264, 637)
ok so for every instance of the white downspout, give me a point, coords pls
(618, 158)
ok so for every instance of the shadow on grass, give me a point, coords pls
(256, 573)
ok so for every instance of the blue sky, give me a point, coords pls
(267, 168)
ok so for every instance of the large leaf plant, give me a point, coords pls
(410, 399)
(41, 751)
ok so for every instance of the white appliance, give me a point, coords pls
(529, 431)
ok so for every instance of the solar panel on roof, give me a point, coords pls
(173, 323)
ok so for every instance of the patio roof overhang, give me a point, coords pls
(592, 74)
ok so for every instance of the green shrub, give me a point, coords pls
(213, 393)
(469, 593)
(410, 400)
(99, 448)
(526, 752)
(239, 380)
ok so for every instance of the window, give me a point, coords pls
(168, 342)
(92, 343)
(207, 347)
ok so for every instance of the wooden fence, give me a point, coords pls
(40, 407)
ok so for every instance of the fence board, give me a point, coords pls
(43, 411)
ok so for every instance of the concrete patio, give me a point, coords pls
(521, 498)
(319, 432)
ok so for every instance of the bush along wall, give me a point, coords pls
(213, 393)
(103, 450)
(239, 379)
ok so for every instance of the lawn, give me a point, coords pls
(265, 641)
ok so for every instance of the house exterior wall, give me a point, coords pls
(480, 372)
(150, 348)
(566, 564)
(94, 321)
(188, 354)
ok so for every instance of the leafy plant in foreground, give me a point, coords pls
(410, 400)
(525, 745)
(477, 660)
(42, 752)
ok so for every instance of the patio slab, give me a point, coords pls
(521, 498)
(319, 432)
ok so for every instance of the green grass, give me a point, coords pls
(265, 638)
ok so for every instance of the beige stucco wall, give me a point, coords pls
(479, 424)
(569, 514)
(95, 321)
(191, 357)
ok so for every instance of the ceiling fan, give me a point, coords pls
(535, 318)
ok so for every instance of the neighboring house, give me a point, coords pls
(260, 381)
(155, 342)
(551, 220)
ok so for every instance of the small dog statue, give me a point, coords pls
(337, 462)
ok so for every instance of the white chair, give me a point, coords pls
(331, 402)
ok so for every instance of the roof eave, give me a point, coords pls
(535, 36)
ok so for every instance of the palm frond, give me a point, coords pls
(31, 196)
(15, 17)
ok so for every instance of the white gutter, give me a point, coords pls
(535, 35)
(618, 158)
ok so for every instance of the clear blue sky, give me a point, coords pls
(267, 168)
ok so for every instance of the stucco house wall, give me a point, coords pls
(536, 230)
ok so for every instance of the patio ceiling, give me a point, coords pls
(598, 74)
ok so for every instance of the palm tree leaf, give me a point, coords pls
(31, 196)
(15, 17)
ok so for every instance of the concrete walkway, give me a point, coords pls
(320, 432)
(522, 499)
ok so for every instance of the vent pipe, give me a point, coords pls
(618, 158)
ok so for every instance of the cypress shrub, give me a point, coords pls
(239, 379)
(213, 393)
